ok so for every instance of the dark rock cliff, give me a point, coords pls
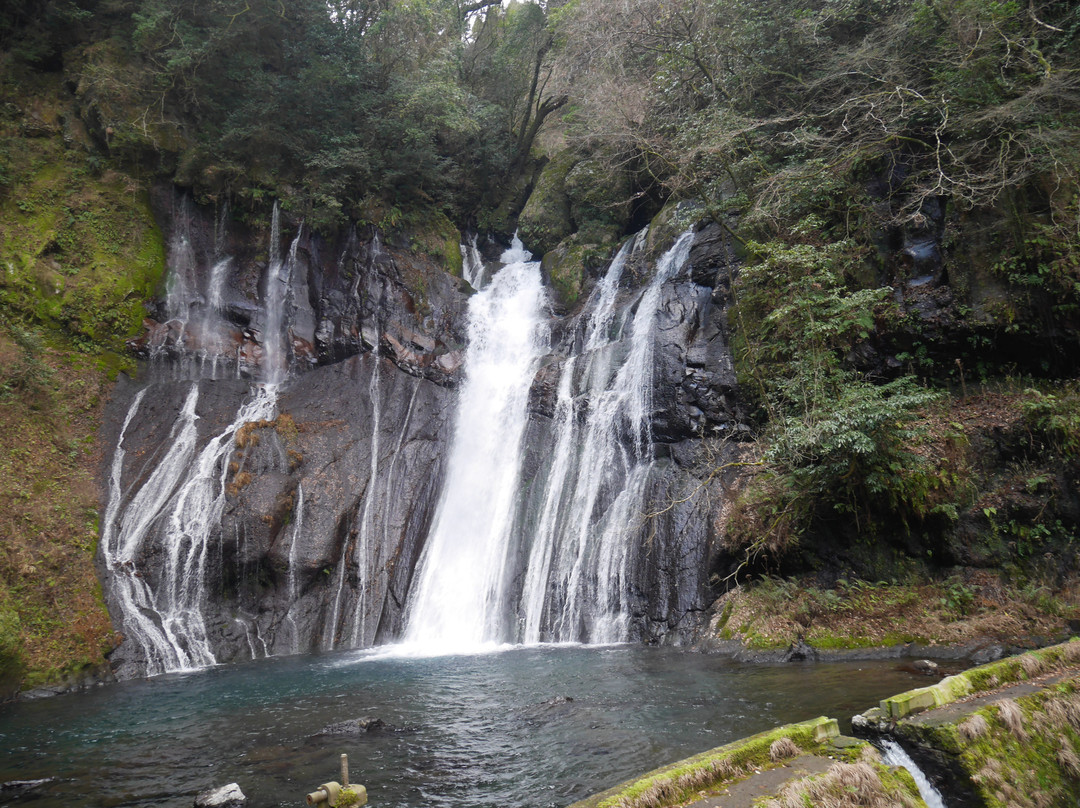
(325, 507)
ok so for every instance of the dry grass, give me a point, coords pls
(239, 483)
(48, 513)
(974, 727)
(667, 791)
(775, 613)
(1032, 665)
(1012, 717)
(1056, 713)
(782, 749)
(1071, 707)
(1034, 766)
(1068, 759)
(990, 773)
(844, 785)
(870, 754)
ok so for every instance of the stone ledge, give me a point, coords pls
(807, 734)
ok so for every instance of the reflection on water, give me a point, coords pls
(541, 726)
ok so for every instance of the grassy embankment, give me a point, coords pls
(79, 253)
(997, 542)
(1008, 730)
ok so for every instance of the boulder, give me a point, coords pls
(354, 726)
(229, 796)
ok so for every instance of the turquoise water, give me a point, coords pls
(540, 726)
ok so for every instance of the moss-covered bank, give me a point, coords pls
(1003, 734)
(847, 770)
(80, 252)
(966, 610)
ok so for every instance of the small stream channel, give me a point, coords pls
(492, 729)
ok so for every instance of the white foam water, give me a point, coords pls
(462, 577)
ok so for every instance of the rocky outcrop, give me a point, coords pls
(324, 506)
(229, 796)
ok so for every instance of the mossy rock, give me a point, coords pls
(545, 219)
(114, 96)
(564, 267)
(439, 238)
(80, 250)
(670, 223)
(753, 751)
(599, 195)
(1011, 748)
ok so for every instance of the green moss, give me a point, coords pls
(752, 752)
(598, 190)
(565, 267)
(671, 222)
(439, 238)
(725, 615)
(985, 677)
(80, 253)
(11, 663)
(546, 220)
(897, 781)
(1010, 762)
(352, 796)
(826, 641)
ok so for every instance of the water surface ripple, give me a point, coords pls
(528, 726)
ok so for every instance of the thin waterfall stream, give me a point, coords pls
(365, 546)
(895, 755)
(179, 505)
(577, 578)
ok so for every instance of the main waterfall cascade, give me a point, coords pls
(306, 468)
(461, 584)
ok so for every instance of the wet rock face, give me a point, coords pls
(330, 524)
(325, 505)
(337, 490)
(695, 389)
(341, 297)
(324, 508)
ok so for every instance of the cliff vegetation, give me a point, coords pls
(900, 183)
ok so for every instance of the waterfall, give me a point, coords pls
(183, 265)
(460, 586)
(221, 230)
(577, 585)
(215, 292)
(195, 333)
(294, 586)
(178, 507)
(537, 532)
(472, 264)
(329, 641)
(276, 300)
(894, 755)
(212, 328)
(156, 542)
(365, 550)
(579, 549)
